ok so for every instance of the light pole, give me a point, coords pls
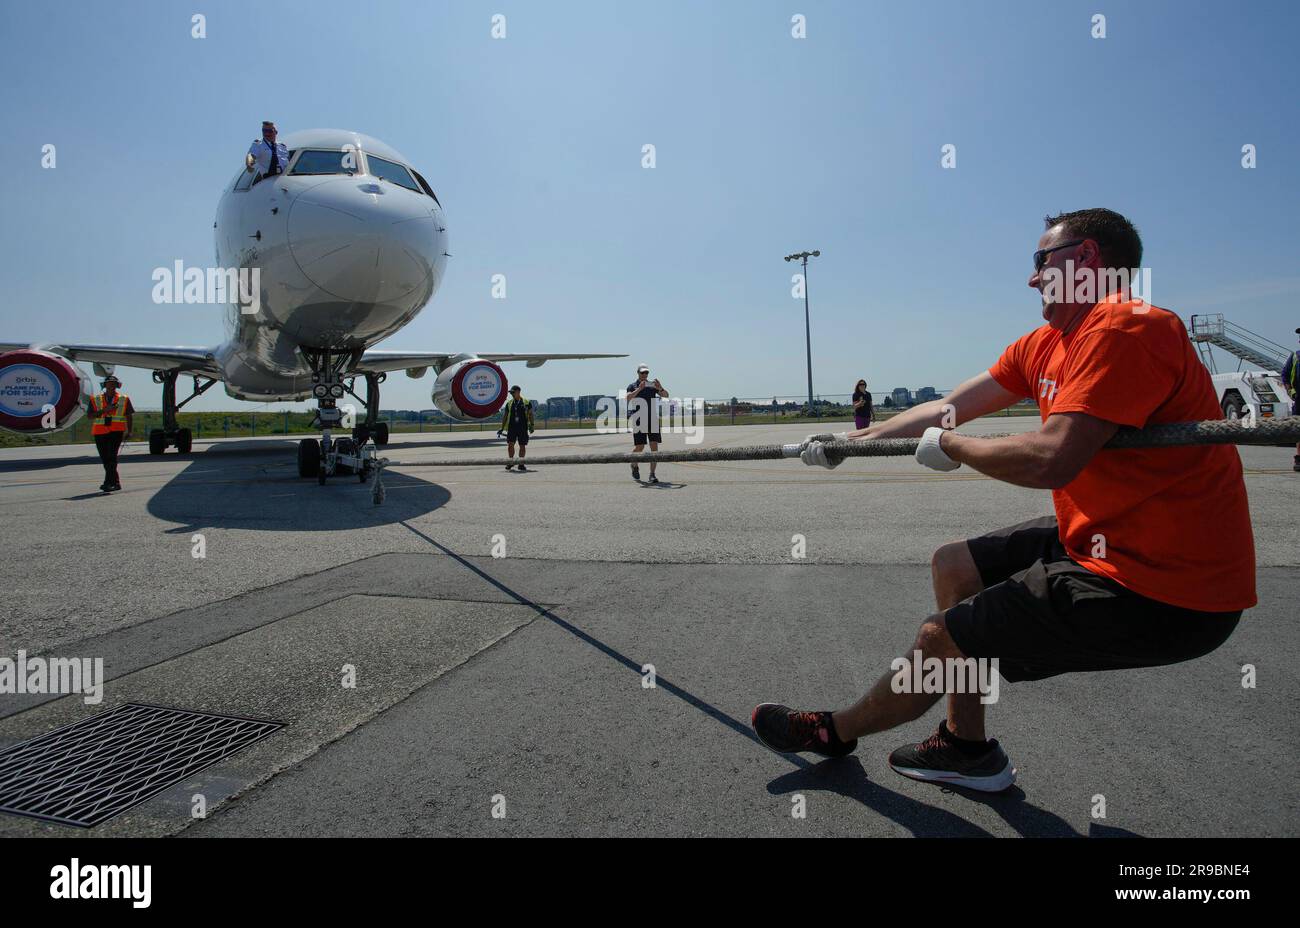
(803, 256)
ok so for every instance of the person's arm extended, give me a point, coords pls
(1046, 459)
(976, 397)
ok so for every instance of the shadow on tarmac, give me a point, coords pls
(846, 777)
(138, 453)
(270, 496)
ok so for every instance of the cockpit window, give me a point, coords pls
(392, 171)
(325, 162)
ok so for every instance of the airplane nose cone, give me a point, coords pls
(364, 241)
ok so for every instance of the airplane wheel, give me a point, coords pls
(309, 458)
(157, 441)
(361, 435)
(184, 441)
(381, 434)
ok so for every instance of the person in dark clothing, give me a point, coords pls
(1291, 377)
(642, 397)
(861, 405)
(517, 423)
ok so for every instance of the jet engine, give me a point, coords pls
(40, 392)
(470, 389)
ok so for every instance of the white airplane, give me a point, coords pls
(350, 243)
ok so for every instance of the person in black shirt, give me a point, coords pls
(517, 423)
(645, 415)
(1291, 380)
(861, 405)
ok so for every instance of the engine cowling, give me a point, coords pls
(40, 392)
(470, 389)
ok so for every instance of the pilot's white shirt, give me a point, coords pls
(261, 153)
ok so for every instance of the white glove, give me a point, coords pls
(814, 453)
(930, 454)
(827, 436)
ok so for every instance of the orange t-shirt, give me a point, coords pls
(1175, 523)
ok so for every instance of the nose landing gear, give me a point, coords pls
(330, 456)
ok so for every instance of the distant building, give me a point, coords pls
(925, 394)
(902, 396)
(587, 405)
(562, 407)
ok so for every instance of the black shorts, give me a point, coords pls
(1042, 613)
(638, 438)
(517, 434)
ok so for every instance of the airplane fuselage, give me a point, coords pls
(350, 244)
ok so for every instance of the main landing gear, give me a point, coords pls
(171, 433)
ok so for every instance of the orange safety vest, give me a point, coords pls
(114, 416)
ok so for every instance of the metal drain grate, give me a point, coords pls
(91, 770)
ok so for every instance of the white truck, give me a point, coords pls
(1243, 394)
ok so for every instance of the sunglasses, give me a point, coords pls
(1040, 256)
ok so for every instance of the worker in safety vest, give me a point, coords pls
(111, 414)
(517, 423)
(1291, 377)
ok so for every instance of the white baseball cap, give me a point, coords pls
(642, 367)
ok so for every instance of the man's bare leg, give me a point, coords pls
(955, 577)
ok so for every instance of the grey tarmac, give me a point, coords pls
(519, 682)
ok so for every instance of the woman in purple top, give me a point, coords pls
(861, 405)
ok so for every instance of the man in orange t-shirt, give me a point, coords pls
(1149, 560)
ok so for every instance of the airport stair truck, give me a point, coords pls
(1243, 394)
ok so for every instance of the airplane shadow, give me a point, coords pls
(138, 453)
(253, 492)
(18, 465)
(846, 777)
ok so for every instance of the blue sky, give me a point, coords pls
(765, 145)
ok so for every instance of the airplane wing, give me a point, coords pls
(377, 361)
(164, 358)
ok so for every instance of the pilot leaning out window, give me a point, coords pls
(266, 155)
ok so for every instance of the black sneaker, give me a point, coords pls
(788, 732)
(115, 486)
(104, 488)
(636, 472)
(938, 760)
(508, 466)
(654, 479)
(1296, 466)
(522, 469)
